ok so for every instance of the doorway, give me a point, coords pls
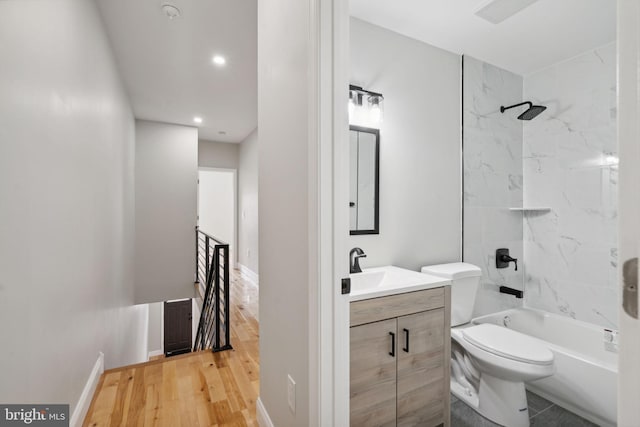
(178, 327)
(217, 199)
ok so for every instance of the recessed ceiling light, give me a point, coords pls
(171, 11)
(496, 11)
(219, 60)
(197, 120)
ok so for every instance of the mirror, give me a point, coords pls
(364, 167)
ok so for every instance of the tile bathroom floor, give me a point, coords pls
(543, 414)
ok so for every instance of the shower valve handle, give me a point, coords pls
(503, 259)
(507, 259)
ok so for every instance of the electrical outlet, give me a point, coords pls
(291, 393)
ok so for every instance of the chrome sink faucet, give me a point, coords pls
(354, 260)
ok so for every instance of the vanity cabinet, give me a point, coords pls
(400, 347)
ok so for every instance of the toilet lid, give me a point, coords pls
(508, 343)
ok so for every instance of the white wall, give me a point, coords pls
(166, 176)
(492, 164)
(420, 219)
(67, 205)
(248, 254)
(216, 206)
(283, 202)
(212, 154)
(570, 153)
(156, 327)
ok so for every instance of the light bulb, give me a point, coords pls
(375, 111)
(375, 114)
(612, 160)
(352, 107)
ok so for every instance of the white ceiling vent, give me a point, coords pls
(496, 11)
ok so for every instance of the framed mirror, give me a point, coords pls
(364, 171)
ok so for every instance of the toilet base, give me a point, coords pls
(503, 402)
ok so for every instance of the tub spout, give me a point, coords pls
(506, 290)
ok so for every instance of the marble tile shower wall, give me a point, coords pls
(492, 165)
(569, 165)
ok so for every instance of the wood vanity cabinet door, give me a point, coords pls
(421, 377)
(373, 374)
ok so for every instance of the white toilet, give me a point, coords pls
(489, 363)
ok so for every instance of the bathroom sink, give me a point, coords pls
(367, 280)
(383, 281)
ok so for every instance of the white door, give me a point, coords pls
(629, 208)
(217, 206)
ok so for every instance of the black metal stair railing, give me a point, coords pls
(212, 269)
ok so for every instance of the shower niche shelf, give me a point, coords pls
(532, 209)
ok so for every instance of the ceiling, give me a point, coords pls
(167, 64)
(167, 68)
(544, 33)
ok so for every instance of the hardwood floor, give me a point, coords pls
(195, 389)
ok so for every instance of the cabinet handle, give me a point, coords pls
(406, 340)
(393, 345)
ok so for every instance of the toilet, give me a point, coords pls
(489, 363)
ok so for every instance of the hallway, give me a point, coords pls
(196, 389)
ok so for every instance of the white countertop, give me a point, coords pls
(389, 280)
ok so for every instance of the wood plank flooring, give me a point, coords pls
(190, 390)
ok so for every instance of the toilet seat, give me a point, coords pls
(507, 343)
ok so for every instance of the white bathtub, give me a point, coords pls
(586, 375)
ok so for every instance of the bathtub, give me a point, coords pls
(586, 375)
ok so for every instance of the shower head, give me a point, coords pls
(532, 112)
(529, 113)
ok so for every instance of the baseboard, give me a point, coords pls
(155, 353)
(82, 407)
(262, 415)
(249, 274)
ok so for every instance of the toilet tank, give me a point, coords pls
(465, 279)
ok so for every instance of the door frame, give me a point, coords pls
(234, 252)
(329, 371)
(329, 216)
(329, 368)
(629, 201)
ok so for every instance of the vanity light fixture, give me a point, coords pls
(365, 107)
(197, 120)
